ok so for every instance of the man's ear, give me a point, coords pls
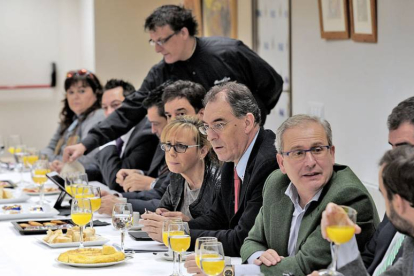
(249, 123)
(184, 33)
(203, 152)
(400, 204)
(200, 114)
(280, 161)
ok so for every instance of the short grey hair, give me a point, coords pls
(300, 120)
(403, 112)
(238, 96)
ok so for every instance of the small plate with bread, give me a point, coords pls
(56, 239)
(36, 227)
(12, 196)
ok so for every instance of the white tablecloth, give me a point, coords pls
(26, 255)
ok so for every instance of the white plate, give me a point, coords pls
(100, 241)
(48, 212)
(17, 197)
(55, 192)
(94, 265)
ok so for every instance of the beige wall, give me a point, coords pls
(121, 44)
(35, 34)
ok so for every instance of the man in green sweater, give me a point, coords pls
(286, 236)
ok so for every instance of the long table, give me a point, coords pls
(26, 255)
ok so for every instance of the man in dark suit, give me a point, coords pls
(396, 180)
(134, 150)
(401, 132)
(232, 125)
(156, 178)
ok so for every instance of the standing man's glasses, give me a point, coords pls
(161, 42)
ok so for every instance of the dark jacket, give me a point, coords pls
(231, 229)
(214, 59)
(172, 198)
(403, 267)
(138, 154)
(378, 245)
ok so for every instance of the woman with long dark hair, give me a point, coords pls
(81, 111)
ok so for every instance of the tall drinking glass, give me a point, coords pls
(81, 214)
(165, 235)
(122, 219)
(212, 258)
(340, 232)
(73, 180)
(38, 172)
(179, 239)
(20, 155)
(31, 157)
(198, 243)
(94, 195)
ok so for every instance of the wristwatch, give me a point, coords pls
(228, 270)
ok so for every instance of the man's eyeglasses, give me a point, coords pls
(317, 152)
(217, 128)
(179, 148)
(161, 42)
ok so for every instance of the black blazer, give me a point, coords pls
(375, 249)
(138, 154)
(221, 222)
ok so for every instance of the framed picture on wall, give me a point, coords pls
(333, 17)
(363, 20)
(220, 18)
(195, 7)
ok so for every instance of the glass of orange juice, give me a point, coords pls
(198, 243)
(179, 240)
(38, 172)
(165, 235)
(212, 258)
(339, 232)
(93, 194)
(81, 214)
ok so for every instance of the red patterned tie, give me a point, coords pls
(236, 190)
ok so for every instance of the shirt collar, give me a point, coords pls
(292, 193)
(241, 166)
(126, 136)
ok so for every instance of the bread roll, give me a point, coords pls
(63, 239)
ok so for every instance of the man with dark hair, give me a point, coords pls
(205, 60)
(183, 98)
(248, 153)
(396, 178)
(116, 90)
(134, 150)
(401, 132)
(144, 190)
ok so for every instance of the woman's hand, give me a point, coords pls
(180, 215)
(152, 225)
